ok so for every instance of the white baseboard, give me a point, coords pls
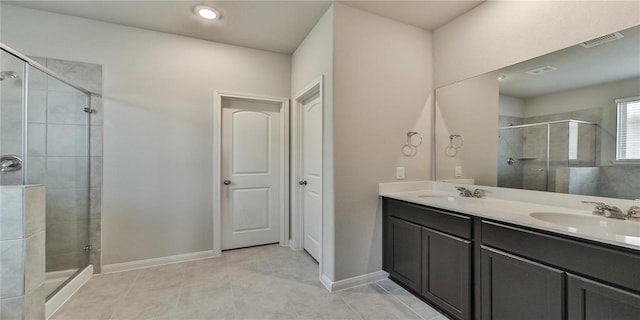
(352, 282)
(59, 299)
(138, 264)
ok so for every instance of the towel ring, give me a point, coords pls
(455, 142)
(410, 148)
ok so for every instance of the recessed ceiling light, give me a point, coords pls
(208, 13)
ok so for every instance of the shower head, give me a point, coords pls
(10, 74)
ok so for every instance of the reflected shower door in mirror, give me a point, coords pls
(568, 121)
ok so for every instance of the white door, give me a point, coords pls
(250, 205)
(312, 174)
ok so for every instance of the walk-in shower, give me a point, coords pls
(46, 138)
(537, 156)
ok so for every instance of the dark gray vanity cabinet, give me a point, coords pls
(591, 300)
(405, 252)
(484, 269)
(446, 272)
(429, 251)
(517, 288)
(537, 275)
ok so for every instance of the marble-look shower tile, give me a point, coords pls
(66, 108)
(34, 272)
(87, 75)
(66, 172)
(97, 116)
(61, 205)
(61, 261)
(96, 172)
(34, 214)
(96, 141)
(38, 79)
(11, 213)
(66, 140)
(11, 138)
(37, 106)
(12, 259)
(35, 303)
(37, 139)
(12, 308)
(37, 170)
(62, 238)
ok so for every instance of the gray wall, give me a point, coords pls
(383, 89)
(497, 34)
(312, 59)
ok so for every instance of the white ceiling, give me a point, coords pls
(577, 67)
(278, 26)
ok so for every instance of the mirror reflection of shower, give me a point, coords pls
(554, 156)
(8, 74)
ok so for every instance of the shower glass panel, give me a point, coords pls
(45, 124)
(540, 156)
(12, 123)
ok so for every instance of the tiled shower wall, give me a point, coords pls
(58, 158)
(22, 245)
(510, 145)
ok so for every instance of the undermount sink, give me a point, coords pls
(577, 223)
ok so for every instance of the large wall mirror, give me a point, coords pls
(568, 122)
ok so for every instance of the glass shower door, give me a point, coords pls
(58, 157)
(11, 119)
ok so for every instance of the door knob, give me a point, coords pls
(226, 182)
(302, 183)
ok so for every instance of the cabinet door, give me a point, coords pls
(590, 300)
(406, 250)
(446, 265)
(517, 288)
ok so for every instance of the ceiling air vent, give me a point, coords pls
(541, 70)
(600, 40)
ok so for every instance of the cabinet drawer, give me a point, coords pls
(613, 266)
(436, 219)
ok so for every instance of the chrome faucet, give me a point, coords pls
(608, 211)
(477, 193)
(634, 213)
(480, 193)
(464, 192)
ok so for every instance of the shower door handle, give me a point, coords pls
(10, 163)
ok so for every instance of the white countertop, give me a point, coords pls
(587, 226)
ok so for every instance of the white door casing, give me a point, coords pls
(312, 174)
(307, 214)
(252, 153)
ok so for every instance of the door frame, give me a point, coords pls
(297, 195)
(217, 160)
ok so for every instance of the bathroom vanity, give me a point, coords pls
(500, 259)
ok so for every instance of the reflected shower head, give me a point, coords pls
(10, 74)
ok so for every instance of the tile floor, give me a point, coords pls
(267, 282)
